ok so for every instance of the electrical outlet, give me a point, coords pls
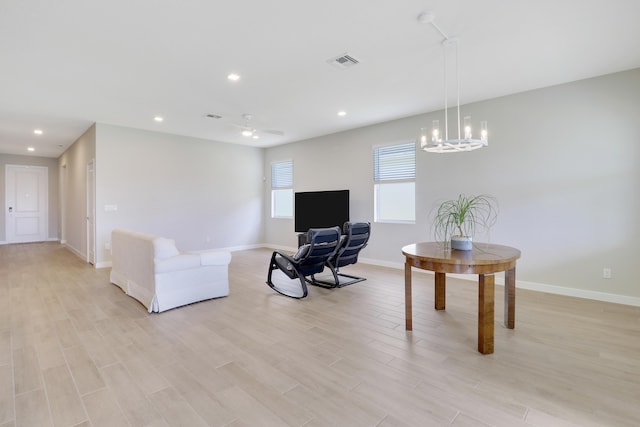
(606, 273)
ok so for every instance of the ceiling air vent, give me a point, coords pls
(214, 116)
(343, 61)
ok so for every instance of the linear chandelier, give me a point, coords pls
(431, 140)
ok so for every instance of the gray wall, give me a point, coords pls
(73, 191)
(564, 163)
(204, 194)
(52, 166)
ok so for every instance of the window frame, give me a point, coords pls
(281, 179)
(389, 171)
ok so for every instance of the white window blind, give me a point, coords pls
(282, 174)
(393, 162)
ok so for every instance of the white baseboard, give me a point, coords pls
(532, 286)
(287, 249)
(579, 293)
(245, 247)
(51, 239)
(75, 252)
(379, 263)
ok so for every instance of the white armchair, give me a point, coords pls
(152, 270)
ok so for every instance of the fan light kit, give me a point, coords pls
(431, 141)
(248, 131)
(246, 127)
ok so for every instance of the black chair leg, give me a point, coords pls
(337, 283)
(303, 285)
(321, 283)
(354, 279)
(274, 266)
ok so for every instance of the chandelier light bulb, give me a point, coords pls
(435, 133)
(423, 137)
(467, 127)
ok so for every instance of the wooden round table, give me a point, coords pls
(485, 259)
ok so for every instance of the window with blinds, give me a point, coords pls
(394, 175)
(394, 162)
(282, 189)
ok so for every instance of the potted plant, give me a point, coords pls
(457, 220)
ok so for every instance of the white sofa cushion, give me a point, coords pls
(212, 257)
(178, 262)
(164, 248)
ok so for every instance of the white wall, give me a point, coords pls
(564, 163)
(202, 193)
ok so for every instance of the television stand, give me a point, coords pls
(302, 239)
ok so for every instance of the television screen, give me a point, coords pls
(320, 209)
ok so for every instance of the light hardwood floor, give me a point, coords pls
(76, 351)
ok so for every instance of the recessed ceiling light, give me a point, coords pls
(255, 137)
(342, 113)
(233, 77)
(38, 131)
(31, 149)
(158, 119)
(247, 132)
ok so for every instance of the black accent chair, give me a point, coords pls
(354, 239)
(323, 243)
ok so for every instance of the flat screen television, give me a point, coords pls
(320, 209)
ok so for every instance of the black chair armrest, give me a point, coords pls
(285, 256)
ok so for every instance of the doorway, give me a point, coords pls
(27, 203)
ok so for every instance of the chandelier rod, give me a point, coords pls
(457, 87)
(446, 37)
(446, 42)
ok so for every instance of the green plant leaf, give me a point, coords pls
(464, 216)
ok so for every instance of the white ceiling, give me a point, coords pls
(67, 64)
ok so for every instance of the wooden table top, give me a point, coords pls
(483, 259)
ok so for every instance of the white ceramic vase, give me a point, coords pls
(461, 243)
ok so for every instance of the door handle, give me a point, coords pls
(10, 209)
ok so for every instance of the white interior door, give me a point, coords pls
(26, 190)
(91, 209)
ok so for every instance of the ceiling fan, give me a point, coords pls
(247, 128)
